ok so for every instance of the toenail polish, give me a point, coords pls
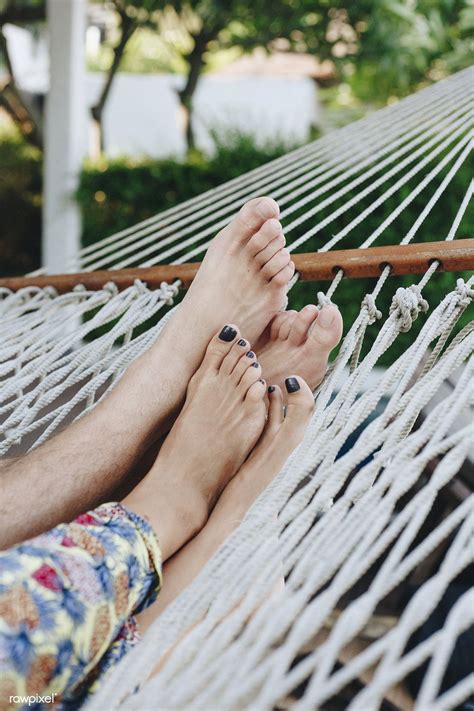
(242, 343)
(227, 334)
(255, 365)
(292, 385)
(271, 389)
(326, 317)
(250, 354)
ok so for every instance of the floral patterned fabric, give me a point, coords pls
(67, 600)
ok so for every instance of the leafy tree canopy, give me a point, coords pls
(22, 11)
(381, 48)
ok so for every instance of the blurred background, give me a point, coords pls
(178, 97)
(182, 96)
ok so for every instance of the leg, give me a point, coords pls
(222, 419)
(279, 439)
(94, 573)
(244, 278)
(64, 600)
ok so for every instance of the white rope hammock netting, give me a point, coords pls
(369, 523)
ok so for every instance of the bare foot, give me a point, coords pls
(279, 439)
(243, 279)
(300, 342)
(222, 419)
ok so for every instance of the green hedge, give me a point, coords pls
(115, 194)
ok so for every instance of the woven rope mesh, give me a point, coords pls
(369, 525)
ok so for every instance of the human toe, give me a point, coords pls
(220, 346)
(277, 322)
(327, 328)
(251, 375)
(282, 278)
(300, 325)
(239, 348)
(270, 233)
(251, 216)
(278, 261)
(300, 406)
(275, 410)
(286, 325)
(256, 392)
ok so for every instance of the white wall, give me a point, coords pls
(143, 117)
(29, 55)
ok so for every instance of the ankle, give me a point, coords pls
(175, 512)
(192, 512)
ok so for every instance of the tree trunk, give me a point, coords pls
(128, 28)
(12, 101)
(196, 63)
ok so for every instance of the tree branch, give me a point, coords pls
(128, 28)
(13, 103)
(196, 62)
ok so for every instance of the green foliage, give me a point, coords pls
(20, 205)
(146, 53)
(436, 226)
(383, 48)
(404, 43)
(114, 194)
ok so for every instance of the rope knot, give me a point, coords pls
(323, 299)
(168, 292)
(140, 287)
(112, 288)
(373, 313)
(464, 292)
(408, 303)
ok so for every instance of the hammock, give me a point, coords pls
(349, 521)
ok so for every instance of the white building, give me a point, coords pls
(270, 97)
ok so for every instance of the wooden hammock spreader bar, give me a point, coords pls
(456, 255)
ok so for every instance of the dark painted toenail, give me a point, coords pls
(250, 354)
(255, 365)
(292, 385)
(271, 389)
(227, 334)
(242, 343)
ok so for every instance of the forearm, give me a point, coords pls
(69, 474)
(87, 463)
